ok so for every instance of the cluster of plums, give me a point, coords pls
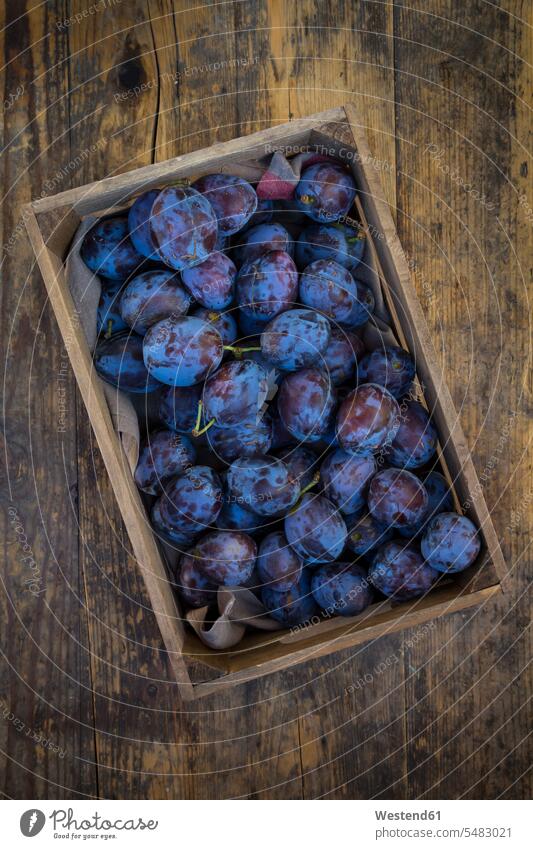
(286, 458)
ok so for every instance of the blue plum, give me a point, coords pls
(166, 532)
(341, 588)
(306, 403)
(368, 419)
(212, 282)
(325, 192)
(182, 350)
(139, 224)
(440, 500)
(234, 201)
(243, 440)
(152, 296)
(108, 317)
(390, 366)
(260, 240)
(183, 227)
(399, 571)
(267, 285)
(397, 498)
(263, 213)
(236, 516)
(235, 394)
(224, 322)
(346, 477)
(178, 407)
(193, 587)
(250, 325)
(192, 501)
(263, 484)
(278, 564)
(163, 454)
(365, 534)
(302, 464)
(119, 361)
(226, 558)
(330, 288)
(316, 529)
(344, 351)
(415, 442)
(451, 542)
(291, 607)
(295, 339)
(108, 250)
(338, 242)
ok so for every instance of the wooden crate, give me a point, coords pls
(51, 224)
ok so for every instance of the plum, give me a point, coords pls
(341, 588)
(295, 339)
(278, 564)
(390, 366)
(365, 534)
(234, 201)
(212, 282)
(440, 500)
(399, 570)
(368, 419)
(235, 515)
(316, 529)
(178, 407)
(163, 454)
(338, 242)
(291, 607)
(263, 213)
(450, 542)
(182, 350)
(192, 501)
(226, 558)
(344, 351)
(263, 484)
(325, 192)
(152, 296)
(302, 464)
(415, 442)
(306, 403)
(183, 227)
(108, 250)
(139, 224)
(119, 361)
(195, 589)
(242, 440)
(267, 285)
(249, 325)
(329, 288)
(260, 240)
(223, 322)
(108, 317)
(346, 477)
(235, 394)
(169, 534)
(397, 498)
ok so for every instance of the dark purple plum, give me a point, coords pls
(329, 288)
(163, 454)
(450, 542)
(152, 296)
(263, 213)
(235, 394)
(234, 201)
(344, 351)
(278, 564)
(260, 240)
(415, 442)
(267, 286)
(226, 558)
(316, 529)
(235, 516)
(178, 407)
(263, 484)
(325, 192)
(168, 533)
(399, 571)
(182, 350)
(193, 587)
(440, 501)
(295, 606)
(368, 419)
(341, 588)
(302, 463)
(183, 227)
(119, 361)
(306, 403)
(295, 339)
(390, 366)
(192, 501)
(346, 477)
(397, 498)
(108, 250)
(338, 242)
(243, 440)
(139, 224)
(222, 321)
(251, 326)
(108, 318)
(365, 534)
(280, 435)
(212, 282)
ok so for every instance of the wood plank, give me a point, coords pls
(46, 715)
(459, 83)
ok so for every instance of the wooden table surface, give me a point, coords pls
(88, 707)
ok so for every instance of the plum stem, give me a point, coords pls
(239, 351)
(196, 431)
(313, 482)
(109, 331)
(203, 430)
